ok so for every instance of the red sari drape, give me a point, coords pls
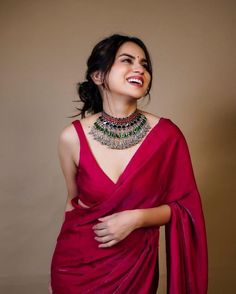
(160, 172)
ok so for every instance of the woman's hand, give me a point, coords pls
(115, 227)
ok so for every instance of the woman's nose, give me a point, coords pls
(138, 68)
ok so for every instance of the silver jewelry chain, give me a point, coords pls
(120, 133)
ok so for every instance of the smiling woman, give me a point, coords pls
(130, 68)
(127, 172)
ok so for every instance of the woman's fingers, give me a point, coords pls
(107, 217)
(100, 226)
(104, 239)
(108, 244)
(102, 232)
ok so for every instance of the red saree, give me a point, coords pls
(160, 172)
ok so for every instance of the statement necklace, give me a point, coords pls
(120, 133)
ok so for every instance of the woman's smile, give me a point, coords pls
(129, 75)
(136, 81)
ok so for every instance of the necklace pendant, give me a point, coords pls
(120, 133)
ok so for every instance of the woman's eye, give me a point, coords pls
(145, 65)
(127, 60)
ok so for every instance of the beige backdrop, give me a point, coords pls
(44, 48)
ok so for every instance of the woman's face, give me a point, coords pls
(128, 75)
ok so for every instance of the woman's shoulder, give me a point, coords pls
(68, 135)
(170, 125)
(69, 132)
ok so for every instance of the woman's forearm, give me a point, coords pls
(68, 205)
(155, 216)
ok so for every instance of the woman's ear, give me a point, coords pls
(97, 77)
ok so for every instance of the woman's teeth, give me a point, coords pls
(137, 81)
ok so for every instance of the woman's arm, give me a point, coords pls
(68, 153)
(155, 216)
(117, 226)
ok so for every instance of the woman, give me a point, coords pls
(127, 172)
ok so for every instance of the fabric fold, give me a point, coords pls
(186, 243)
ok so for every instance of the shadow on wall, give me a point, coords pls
(219, 198)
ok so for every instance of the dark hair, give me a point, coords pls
(102, 59)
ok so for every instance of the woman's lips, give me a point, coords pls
(136, 81)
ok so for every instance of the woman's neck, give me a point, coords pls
(119, 109)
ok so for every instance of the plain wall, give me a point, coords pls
(43, 53)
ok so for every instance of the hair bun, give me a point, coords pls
(89, 95)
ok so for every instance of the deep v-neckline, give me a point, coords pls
(132, 159)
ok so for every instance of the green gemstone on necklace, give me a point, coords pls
(120, 133)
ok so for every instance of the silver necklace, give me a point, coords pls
(120, 133)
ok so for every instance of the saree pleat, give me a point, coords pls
(160, 172)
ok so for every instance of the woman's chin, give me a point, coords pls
(137, 97)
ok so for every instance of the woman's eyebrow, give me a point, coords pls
(131, 56)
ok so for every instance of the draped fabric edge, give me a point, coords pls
(185, 234)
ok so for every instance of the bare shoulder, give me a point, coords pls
(152, 118)
(68, 134)
(68, 143)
